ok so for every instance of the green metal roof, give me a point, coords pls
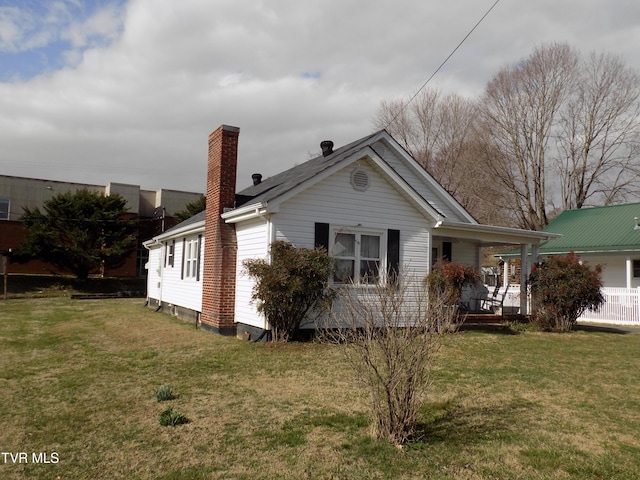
(596, 229)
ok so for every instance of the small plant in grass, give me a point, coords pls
(170, 417)
(164, 393)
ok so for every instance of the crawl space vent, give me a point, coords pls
(359, 180)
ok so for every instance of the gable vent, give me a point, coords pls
(359, 180)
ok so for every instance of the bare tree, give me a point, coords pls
(600, 126)
(391, 334)
(565, 131)
(520, 109)
(439, 132)
(554, 131)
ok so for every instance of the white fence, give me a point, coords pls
(621, 307)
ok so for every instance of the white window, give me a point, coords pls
(4, 209)
(170, 250)
(191, 259)
(358, 256)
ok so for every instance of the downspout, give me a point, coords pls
(271, 237)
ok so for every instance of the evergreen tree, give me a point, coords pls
(79, 232)
(192, 209)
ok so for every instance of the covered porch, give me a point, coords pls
(465, 243)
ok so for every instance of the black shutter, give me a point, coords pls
(322, 236)
(184, 252)
(446, 251)
(172, 251)
(198, 259)
(166, 253)
(393, 255)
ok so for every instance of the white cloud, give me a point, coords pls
(146, 82)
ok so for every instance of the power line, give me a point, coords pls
(442, 64)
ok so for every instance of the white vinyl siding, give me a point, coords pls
(379, 208)
(428, 192)
(614, 269)
(154, 269)
(174, 289)
(252, 237)
(466, 253)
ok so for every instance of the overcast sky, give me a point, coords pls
(98, 91)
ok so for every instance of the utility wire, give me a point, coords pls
(441, 65)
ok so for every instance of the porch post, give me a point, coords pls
(535, 251)
(524, 275)
(505, 273)
(629, 271)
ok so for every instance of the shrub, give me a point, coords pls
(390, 335)
(170, 417)
(447, 279)
(563, 288)
(164, 393)
(291, 285)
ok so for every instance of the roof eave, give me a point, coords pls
(508, 234)
(246, 212)
(180, 231)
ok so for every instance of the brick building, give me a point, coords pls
(153, 208)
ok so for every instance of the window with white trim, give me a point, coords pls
(4, 209)
(358, 256)
(191, 259)
(170, 250)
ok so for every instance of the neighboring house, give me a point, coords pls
(607, 236)
(369, 203)
(153, 208)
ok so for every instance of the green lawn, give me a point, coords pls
(78, 381)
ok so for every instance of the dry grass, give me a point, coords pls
(78, 378)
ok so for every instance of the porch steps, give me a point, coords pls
(493, 321)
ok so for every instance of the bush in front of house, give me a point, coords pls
(563, 288)
(291, 285)
(447, 279)
(390, 334)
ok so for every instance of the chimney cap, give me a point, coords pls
(327, 147)
(257, 178)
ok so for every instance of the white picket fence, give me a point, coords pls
(621, 307)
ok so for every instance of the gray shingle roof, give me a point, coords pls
(282, 182)
(198, 217)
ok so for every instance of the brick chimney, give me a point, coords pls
(219, 275)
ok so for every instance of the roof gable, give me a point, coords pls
(417, 184)
(597, 229)
(283, 185)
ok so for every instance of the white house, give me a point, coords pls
(369, 203)
(608, 236)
